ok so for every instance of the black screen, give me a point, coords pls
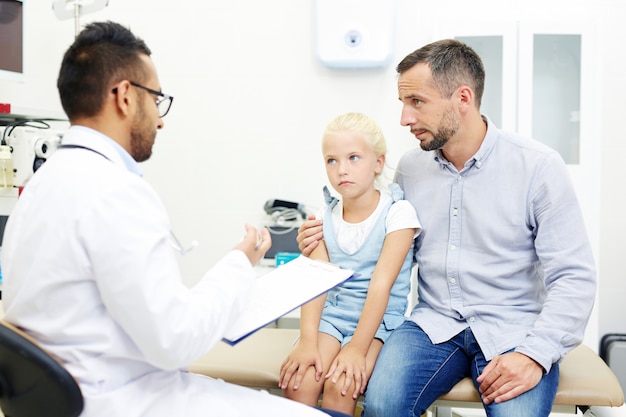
(11, 36)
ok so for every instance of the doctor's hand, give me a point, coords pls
(254, 244)
(309, 235)
(508, 376)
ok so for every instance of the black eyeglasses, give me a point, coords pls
(163, 103)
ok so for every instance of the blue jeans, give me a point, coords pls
(411, 373)
(333, 413)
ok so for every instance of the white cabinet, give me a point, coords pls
(539, 78)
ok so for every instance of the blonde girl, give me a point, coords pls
(370, 231)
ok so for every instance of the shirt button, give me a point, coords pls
(455, 212)
(472, 319)
(452, 280)
(453, 247)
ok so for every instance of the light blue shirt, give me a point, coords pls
(503, 248)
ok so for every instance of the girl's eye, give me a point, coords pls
(354, 158)
(331, 161)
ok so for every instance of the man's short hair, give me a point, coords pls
(452, 64)
(103, 54)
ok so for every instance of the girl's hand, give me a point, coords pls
(352, 363)
(295, 366)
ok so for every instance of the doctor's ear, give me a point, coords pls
(122, 97)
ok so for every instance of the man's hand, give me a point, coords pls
(254, 244)
(309, 235)
(508, 376)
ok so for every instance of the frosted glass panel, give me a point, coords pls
(489, 48)
(556, 93)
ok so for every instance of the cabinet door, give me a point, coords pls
(557, 104)
(551, 85)
(497, 46)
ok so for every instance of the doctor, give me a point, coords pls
(89, 269)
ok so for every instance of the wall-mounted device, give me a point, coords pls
(353, 34)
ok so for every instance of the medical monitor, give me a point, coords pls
(11, 40)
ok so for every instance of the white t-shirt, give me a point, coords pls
(350, 236)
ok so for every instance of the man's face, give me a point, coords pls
(146, 119)
(143, 132)
(433, 119)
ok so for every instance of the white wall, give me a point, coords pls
(251, 102)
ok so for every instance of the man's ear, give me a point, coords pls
(123, 98)
(465, 96)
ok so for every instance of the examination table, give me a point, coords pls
(585, 380)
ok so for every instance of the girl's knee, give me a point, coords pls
(307, 394)
(333, 397)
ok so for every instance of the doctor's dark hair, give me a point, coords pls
(103, 54)
(452, 64)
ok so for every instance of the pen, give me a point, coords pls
(259, 241)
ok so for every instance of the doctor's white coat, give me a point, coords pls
(89, 272)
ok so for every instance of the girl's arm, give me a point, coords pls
(395, 249)
(310, 314)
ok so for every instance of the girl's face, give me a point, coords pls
(351, 165)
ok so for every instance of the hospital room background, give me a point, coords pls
(255, 84)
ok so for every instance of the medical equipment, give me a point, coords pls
(6, 167)
(613, 352)
(68, 9)
(285, 217)
(284, 208)
(28, 144)
(179, 247)
(12, 37)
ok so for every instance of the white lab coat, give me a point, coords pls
(90, 273)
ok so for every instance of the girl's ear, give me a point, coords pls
(380, 164)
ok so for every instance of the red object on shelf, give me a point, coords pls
(5, 108)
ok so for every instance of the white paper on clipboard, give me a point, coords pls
(282, 290)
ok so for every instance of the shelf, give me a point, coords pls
(9, 113)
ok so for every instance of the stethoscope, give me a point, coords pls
(179, 247)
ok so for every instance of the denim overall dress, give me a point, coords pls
(344, 303)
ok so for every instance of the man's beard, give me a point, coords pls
(141, 140)
(450, 126)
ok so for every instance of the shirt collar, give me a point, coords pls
(130, 164)
(488, 143)
(483, 152)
